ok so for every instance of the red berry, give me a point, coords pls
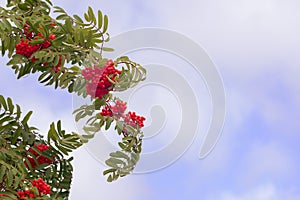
(133, 120)
(41, 159)
(52, 37)
(42, 187)
(98, 84)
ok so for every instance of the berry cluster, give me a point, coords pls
(27, 49)
(42, 187)
(134, 120)
(25, 194)
(117, 110)
(106, 111)
(99, 79)
(41, 159)
(29, 34)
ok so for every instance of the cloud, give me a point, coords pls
(264, 192)
(266, 162)
(261, 192)
(89, 183)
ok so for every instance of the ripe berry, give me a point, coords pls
(41, 159)
(42, 187)
(116, 110)
(98, 79)
(26, 49)
(52, 37)
(134, 120)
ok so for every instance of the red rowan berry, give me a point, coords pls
(119, 108)
(106, 111)
(98, 83)
(133, 120)
(42, 187)
(41, 159)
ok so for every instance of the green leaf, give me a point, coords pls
(135, 157)
(89, 39)
(37, 41)
(3, 48)
(47, 78)
(59, 126)
(92, 15)
(62, 17)
(9, 176)
(49, 2)
(26, 118)
(8, 196)
(23, 6)
(64, 150)
(3, 102)
(15, 136)
(111, 163)
(100, 19)
(89, 136)
(78, 19)
(42, 76)
(123, 146)
(56, 60)
(59, 9)
(52, 134)
(81, 38)
(16, 59)
(105, 24)
(107, 49)
(2, 172)
(18, 112)
(108, 122)
(110, 178)
(69, 26)
(10, 105)
(109, 171)
(86, 17)
(75, 69)
(119, 154)
(7, 24)
(11, 46)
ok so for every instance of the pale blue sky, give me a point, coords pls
(255, 45)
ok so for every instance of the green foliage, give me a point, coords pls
(82, 34)
(132, 74)
(78, 42)
(75, 42)
(12, 126)
(16, 137)
(121, 163)
(11, 173)
(12, 20)
(64, 142)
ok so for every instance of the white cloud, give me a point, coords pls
(89, 183)
(266, 162)
(261, 192)
(264, 192)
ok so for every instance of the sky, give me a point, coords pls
(255, 46)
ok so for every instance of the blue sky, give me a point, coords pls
(255, 45)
